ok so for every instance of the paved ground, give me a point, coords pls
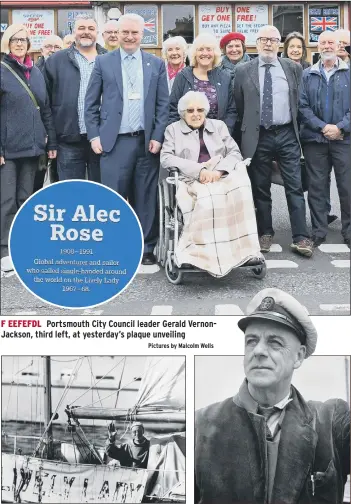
(322, 283)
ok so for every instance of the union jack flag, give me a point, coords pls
(320, 24)
(150, 25)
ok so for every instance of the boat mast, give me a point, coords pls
(48, 408)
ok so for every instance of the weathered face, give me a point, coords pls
(344, 40)
(205, 56)
(19, 44)
(51, 45)
(272, 352)
(234, 50)
(195, 115)
(175, 55)
(137, 433)
(130, 35)
(295, 49)
(85, 31)
(110, 35)
(327, 46)
(268, 44)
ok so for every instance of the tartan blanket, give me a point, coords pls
(219, 231)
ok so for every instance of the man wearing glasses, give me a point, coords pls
(51, 44)
(110, 35)
(266, 96)
(343, 37)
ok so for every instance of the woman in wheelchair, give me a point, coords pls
(213, 193)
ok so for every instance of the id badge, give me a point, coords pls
(134, 96)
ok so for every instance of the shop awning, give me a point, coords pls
(44, 3)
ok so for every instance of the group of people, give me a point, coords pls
(113, 114)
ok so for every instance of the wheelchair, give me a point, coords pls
(170, 228)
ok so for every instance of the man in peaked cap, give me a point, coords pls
(267, 445)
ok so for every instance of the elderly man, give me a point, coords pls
(67, 73)
(343, 37)
(126, 113)
(68, 40)
(132, 454)
(267, 445)
(266, 96)
(51, 44)
(325, 135)
(110, 35)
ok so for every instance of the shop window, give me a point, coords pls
(322, 17)
(288, 18)
(65, 20)
(178, 20)
(4, 20)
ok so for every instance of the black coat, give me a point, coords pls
(63, 81)
(247, 99)
(41, 64)
(24, 128)
(222, 81)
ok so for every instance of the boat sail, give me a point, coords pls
(160, 405)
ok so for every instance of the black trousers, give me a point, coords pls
(131, 172)
(320, 159)
(280, 144)
(16, 185)
(75, 160)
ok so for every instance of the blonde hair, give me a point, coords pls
(9, 33)
(171, 41)
(205, 39)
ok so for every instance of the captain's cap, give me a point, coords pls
(277, 305)
(137, 424)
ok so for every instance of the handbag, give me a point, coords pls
(22, 83)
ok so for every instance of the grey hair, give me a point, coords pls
(205, 39)
(173, 41)
(270, 27)
(84, 16)
(112, 22)
(132, 17)
(193, 96)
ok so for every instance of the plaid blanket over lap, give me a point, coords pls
(220, 231)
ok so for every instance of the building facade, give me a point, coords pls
(185, 18)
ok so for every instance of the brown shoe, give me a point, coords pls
(303, 247)
(266, 242)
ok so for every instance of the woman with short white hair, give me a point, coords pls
(214, 191)
(205, 75)
(174, 50)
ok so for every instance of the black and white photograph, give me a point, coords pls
(273, 426)
(93, 429)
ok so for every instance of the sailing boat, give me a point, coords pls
(80, 476)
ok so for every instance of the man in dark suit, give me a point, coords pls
(127, 126)
(266, 96)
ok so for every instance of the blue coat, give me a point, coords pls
(322, 103)
(62, 76)
(104, 118)
(23, 127)
(231, 461)
(219, 78)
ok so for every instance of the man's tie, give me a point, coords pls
(134, 105)
(267, 100)
(267, 413)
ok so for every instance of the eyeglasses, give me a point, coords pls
(49, 46)
(111, 32)
(16, 40)
(273, 40)
(192, 110)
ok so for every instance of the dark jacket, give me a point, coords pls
(218, 77)
(63, 81)
(231, 67)
(23, 127)
(41, 64)
(104, 118)
(324, 103)
(231, 462)
(303, 63)
(247, 99)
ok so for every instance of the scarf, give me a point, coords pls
(26, 65)
(171, 72)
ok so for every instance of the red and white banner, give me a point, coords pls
(40, 24)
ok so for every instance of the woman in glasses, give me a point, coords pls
(214, 191)
(174, 51)
(26, 123)
(205, 75)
